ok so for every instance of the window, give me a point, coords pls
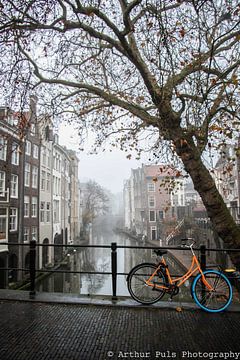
(48, 213)
(3, 148)
(55, 211)
(27, 175)
(48, 182)
(35, 151)
(34, 177)
(153, 233)
(152, 215)
(151, 201)
(15, 154)
(26, 206)
(43, 152)
(33, 129)
(161, 215)
(14, 186)
(42, 211)
(2, 183)
(26, 234)
(3, 224)
(34, 233)
(43, 180)
(151, 186)
(13, 219)
(34, 207)
(28, 148)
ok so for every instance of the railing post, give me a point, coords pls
(203, 257)
(203, 267)
(32, 268)
(114, 270)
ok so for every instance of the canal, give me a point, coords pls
(99, 260)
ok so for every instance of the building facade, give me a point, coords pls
(149, 201)
(39, 192)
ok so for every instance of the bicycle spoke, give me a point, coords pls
(138, 287)
(218, 297)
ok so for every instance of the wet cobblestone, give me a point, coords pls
(36, 331)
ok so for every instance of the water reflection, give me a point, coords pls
(99, 260)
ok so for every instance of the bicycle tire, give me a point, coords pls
(212, 301)
(138, 288)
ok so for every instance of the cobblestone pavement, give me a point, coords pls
(38, 331)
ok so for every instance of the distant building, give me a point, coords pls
(150, 200)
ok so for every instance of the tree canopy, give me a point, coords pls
(163, 70)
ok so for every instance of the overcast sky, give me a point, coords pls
(109, 169)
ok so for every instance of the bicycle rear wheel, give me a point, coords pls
(215, 300)
(138, 288)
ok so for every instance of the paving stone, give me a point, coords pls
(40, 331)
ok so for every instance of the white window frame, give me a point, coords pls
(34, 177)
(34, 233)
(15, 154)
(3, 224)
(43, 180)
(26, 206)
(14, 186)
(26, 234)
(33, 129)
(153, 228)
(151, 186)
(152, 211)
(2, 183)
(42, 212)
(28, 147)
(151, 201)
(27, 173)
(48, 212)
(43, 152)
(34, 206)
(3, 148)
(13, 216)
(35, 151)
(48, 180)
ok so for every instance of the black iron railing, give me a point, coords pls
(113, 247)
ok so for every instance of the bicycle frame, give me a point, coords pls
(195, 267)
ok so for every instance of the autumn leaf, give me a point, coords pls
(182, 32)
(178, 309)
(235, 79)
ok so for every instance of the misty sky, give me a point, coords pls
(109, 169)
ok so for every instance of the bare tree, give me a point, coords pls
(95, 202)
(165, 68)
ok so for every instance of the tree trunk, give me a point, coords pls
(204, 184)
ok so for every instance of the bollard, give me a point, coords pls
(32, 268)
(114, 270)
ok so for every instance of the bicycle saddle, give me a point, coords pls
(160, 252)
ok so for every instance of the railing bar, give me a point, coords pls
(120, 247)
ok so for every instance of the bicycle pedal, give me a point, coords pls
(170, 299)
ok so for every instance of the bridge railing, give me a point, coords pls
(32, 269)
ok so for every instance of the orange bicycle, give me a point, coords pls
(148, 283)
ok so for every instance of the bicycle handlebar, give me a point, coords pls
(187, 239)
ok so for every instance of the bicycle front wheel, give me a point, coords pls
(217, 299)
(138, 288)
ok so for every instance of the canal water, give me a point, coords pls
(99, 260)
